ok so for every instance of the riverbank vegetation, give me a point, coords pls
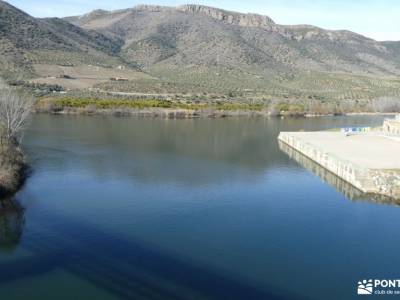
(198, 107)
(146, 107)
(15, 109)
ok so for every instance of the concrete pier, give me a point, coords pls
(369, 161)
(392, 126)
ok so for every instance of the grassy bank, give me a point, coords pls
(147, 107)
(216, 108)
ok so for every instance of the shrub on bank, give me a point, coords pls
(57, 104)
(257, 106)
(12, 166)
(14, 112)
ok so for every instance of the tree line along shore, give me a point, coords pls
(16, 106)
(190, 108)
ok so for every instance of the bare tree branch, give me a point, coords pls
(14, 114)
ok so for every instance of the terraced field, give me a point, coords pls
(84, 76)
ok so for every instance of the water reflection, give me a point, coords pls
(12, 221)
(348, 190)
(158, 151)
(184, 209)
(127, 269)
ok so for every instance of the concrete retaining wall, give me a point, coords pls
(392, 126)
(384, 182)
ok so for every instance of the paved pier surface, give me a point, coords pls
(369, 161)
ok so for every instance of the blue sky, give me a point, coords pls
(378, 19)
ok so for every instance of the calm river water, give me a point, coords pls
(121, 208)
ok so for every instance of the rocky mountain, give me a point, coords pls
(193, 48)
(199, 35)
(25, 40)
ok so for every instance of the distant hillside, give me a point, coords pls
(25, 40)
(198, 35)
(194, 49)
(221, 50)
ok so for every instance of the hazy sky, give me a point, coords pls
(379, 19)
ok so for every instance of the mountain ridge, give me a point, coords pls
(195, 48)
(217, 13)
(261, 33)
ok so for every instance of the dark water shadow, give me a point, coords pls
(25, 172)
(12, 222)
(342, 186)
(129, 269)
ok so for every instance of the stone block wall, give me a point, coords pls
(392, 126)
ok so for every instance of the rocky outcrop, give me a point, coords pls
(232, 18)
(229, 17)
